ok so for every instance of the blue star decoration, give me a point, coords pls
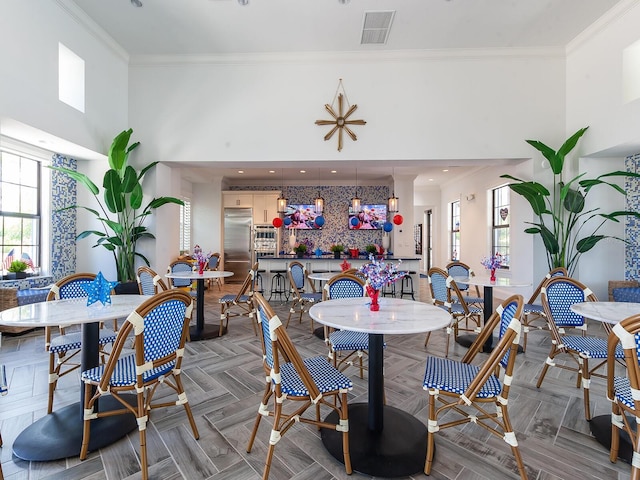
(99, 289)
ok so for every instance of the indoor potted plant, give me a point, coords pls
(18, 268)
(300, 249)
(337, 249)
(565, 227)
(371, 249)
(122, 197)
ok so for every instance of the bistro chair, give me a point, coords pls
(65, 346)
(532, 313)
(443, 289)
(557, 295)
(296, 385)
(298, 275)
(149, 282)
(461, 391)
(182, 283)
(623, 390)
(460, 269)
(344, 345)
(160, 327)
(213, 264)
(241, 303)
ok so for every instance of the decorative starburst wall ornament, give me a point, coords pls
(340, 120)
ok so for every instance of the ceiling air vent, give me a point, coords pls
(376, 26)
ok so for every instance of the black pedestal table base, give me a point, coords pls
(399, 450)
(319, 332)
(207, 332)
(467, 340)
(59, 434)
(600, 427)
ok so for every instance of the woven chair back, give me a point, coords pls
(558, 294)
(343, 285)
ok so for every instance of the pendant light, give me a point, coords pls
(392, 201)
(282, 201)
(355, 201)
(319, 201)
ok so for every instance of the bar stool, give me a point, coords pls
(257, 285)
(278, 284)
(407, 282)
(389, 290)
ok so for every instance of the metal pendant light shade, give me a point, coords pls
(282, 204)
(319, 204)
(392, 203)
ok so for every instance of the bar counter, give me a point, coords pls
(328, 263)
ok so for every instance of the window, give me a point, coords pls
(500, 223)
(455, 230)
(185, 227)
(70, 78)
(20, 213)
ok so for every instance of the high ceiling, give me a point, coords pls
(227, 28)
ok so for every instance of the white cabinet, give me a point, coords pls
(234, 199)
(265, 207)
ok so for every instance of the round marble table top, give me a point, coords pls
(194, 275)
(323, 275)
(485, 281)
(396, 316)
(70, 311)
(609, 312)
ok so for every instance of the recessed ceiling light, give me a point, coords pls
(334, 171)
(240, 171)
(303, 171)
(445, 169)
(272, 171)
(431, 179)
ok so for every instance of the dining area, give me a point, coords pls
(224, 378)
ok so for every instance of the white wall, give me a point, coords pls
(594, 85)
(29, 72)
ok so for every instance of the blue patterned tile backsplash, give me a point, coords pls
(632, 226)
(63, 224)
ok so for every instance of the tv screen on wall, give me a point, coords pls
(370, 217)
(302, 216)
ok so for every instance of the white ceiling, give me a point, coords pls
(224, 27)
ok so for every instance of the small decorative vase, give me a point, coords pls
(336, 255)
(492, 278)
(373, 293)
(201, 267)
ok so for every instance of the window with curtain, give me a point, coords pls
(20, 209)
(500, 223)
(185, 227)
(455, 230)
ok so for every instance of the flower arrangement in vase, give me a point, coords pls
(200, 257)
(491, 264)
(379, 274)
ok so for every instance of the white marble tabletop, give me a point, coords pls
(194, 275)
(70, 311)
(396, 316)
(485, 281)
(609, 312)
(323, 276)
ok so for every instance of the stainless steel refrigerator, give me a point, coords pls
(237, 243)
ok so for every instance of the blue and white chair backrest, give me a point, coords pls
(344, 287)
(178, 267)
(150, 282)
(71, 286)
(163, 327)
(558, 294)
(263, 320)
(4, 386)
(507, 313)
(214, 260)
(457, 269)
(438, 284)
(297, 273)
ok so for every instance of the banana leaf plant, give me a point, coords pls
(122, 197)
(567, 230)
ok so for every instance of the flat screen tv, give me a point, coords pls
(302, 216)
(370, 217)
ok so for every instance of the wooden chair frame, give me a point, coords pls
(300, 300)
(495, 420)
(243, 300)
(278, 349)
(218, 281)
(144, 390)
(149, 282)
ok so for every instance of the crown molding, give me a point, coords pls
(615, 13)
(82, 19)
(340, 57)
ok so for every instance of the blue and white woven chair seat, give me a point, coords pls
(231, 298)
(457, 309)
(591, 347)
(453, 376)
(73, 341)
(124, 374)
(311, 296)
(469, 299)
(325, 376)
(532, 308)
(346, 340)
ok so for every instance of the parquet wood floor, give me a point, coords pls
(224, 381)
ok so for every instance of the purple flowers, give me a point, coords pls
(199, 256)
(491, 263)
(379, 273)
